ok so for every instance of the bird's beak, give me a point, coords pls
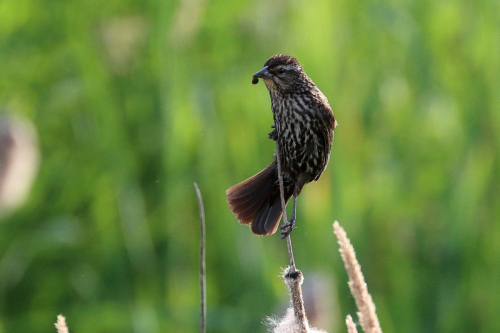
(263, 74)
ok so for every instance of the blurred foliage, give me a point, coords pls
(134, 101)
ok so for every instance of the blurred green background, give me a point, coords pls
(134, 101)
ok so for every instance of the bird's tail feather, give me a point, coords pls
(257, 201)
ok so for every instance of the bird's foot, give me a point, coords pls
(286, 229)
(273, 135)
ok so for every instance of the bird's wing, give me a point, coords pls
(327, 124)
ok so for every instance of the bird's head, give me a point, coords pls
(281, 72)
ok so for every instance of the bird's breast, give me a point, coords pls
(297, 130)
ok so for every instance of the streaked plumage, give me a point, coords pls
(304, 125)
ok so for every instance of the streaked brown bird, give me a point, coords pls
(303, 125)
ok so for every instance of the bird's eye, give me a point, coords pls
(281, 70)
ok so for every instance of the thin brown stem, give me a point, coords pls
(294, 281)
(203, 282)
(283, 207)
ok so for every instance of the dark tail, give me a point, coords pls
(257, 201)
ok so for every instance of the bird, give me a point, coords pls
(304, 126)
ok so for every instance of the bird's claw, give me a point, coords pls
(273, 135)
(286, 229)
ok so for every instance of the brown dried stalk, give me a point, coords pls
(295, 320)
(367, 316)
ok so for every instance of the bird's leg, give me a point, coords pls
(273, 135)
(287, 228)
